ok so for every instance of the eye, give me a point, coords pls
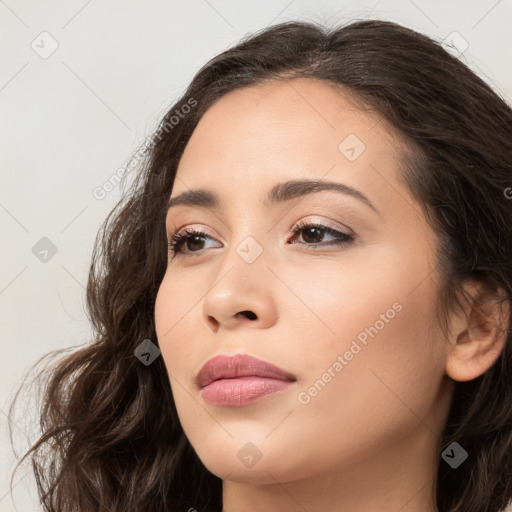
(190, 238)
(313, 234)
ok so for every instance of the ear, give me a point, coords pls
(478, 336)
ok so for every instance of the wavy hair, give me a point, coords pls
(110, 435)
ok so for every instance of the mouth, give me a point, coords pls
(239, 379)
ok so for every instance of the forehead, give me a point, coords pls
(253, 137)
(282, 114)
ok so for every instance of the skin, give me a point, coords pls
(368, 440)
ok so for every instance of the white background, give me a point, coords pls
(70, 120)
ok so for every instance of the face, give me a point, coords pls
(340, 285)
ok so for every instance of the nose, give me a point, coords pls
(240, 294)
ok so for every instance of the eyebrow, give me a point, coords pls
(279, 193)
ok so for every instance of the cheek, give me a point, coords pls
(374, 396)
(173, 313)
(376, 350)
(175, 333)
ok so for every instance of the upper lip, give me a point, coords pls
(238, 365)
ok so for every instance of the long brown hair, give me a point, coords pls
(111, 422)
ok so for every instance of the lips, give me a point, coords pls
(239, 365)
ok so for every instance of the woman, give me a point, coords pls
(303, 303)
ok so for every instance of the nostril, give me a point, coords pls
(249, 314)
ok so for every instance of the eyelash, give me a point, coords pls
(181, 237)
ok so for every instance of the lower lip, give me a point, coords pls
(242, 390)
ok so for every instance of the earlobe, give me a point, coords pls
(479, 337)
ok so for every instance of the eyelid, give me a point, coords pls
(192, 227)
(314, 219)
(342, 228)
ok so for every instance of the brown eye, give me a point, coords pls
(192, 240)
(313, 234)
